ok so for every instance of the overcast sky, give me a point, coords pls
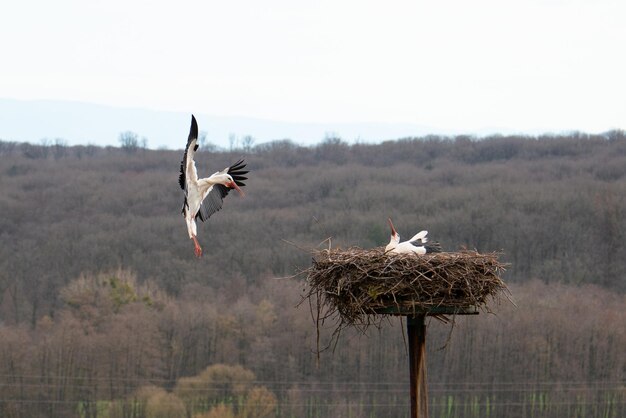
(551, 65)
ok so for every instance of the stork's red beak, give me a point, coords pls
(393, 230)
(233, 185)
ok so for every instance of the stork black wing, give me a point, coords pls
(214, 200)
(193, 134)
(237, 172)
(433, 247)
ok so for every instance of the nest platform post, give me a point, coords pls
(416, 331)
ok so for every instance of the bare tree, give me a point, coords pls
(129, 141)
(232, 142)
(247, 143)
(202, 139)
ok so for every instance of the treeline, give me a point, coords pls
(73, 218)
(554, 206)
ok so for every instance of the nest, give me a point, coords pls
(357, 284)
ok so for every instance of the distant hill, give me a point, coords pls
(87, 123)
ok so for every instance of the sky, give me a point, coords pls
(532, 65)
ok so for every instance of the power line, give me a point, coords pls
(327, 383)
(213, 387)
(457, 404)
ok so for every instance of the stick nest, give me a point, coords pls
(356, 284)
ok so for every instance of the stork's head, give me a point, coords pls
(228, 181)
(394, 239)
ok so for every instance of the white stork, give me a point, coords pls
(416, 245)
(203, 197)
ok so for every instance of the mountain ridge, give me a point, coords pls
(82, 123)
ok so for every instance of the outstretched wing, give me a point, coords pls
(419, 238)
(187, 165)
(215, 197)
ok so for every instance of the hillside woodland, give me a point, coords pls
(106, 312)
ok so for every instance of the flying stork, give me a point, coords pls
(416, 245)
(203, 197)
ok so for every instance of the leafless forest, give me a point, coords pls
(106, 313)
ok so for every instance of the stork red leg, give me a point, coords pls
(197, 249)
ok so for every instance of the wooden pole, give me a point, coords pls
(416, 330)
